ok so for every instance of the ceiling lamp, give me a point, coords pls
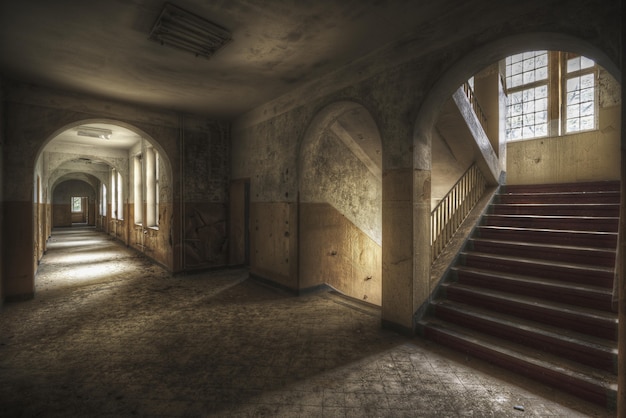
(184, 30)
(94, 132)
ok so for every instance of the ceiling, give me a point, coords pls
(102, 48)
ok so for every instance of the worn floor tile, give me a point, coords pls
(109, 334)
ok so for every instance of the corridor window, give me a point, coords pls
(103, 201)
(146, 188)
(117, 202)
(549, 93)
(138, 189)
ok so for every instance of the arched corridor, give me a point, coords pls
(112, 334)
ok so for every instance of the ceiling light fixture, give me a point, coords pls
(184, 30)
(92, 132)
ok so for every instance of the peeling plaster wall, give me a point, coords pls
(332, 174)
(206, 182)
(585, 156)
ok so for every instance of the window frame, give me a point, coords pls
(557, 77)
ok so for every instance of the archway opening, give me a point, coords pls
(340, 222)
(110, 177)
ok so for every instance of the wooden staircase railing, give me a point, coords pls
(451, 211)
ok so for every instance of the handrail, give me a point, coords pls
(451, 211)
(482, 118)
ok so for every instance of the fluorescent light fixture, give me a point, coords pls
(92, 132)
(184, 30)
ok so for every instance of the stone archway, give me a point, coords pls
(422, 140)
(340, 203)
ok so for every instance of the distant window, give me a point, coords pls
(534, 98)
(77, 204)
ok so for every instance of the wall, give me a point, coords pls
(205, 189)
(585, 156)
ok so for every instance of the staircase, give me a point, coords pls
(531, 291)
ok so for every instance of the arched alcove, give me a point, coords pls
(340, 193)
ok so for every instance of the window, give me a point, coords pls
(536, 89)
(120, 199)
(117, 202)
(580, 103)
(77, 204)
(138, 189)
(152, 187)
(527, 105)
(103, 201)
(146, 186)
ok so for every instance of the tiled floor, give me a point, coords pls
(110, 334)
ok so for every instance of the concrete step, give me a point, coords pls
(585, 382)
(587, 296)
(609, 197)
(592, 322)
(554, 209)
(584, 349)
(595, 186)
(594, 239)
(542, 269)
(581, 255)
(563, 223)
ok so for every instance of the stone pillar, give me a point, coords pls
(18, 251)
(397, 251)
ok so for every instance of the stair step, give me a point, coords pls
(584, 382)
(595, 186)
(583, 209)
(599, 324)
(581, 255)
(570, 272)
(549, 236)
(584, 349)
(591, 297)
(567, 223)
(571, 198)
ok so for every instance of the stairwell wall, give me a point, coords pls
(571, 158)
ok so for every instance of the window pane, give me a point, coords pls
(580, 102)
(573, 111)
(573, 64)
(587, 123)
(541, 104)
(587, 81)
(586, 63)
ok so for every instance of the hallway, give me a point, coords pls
(111, 334)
